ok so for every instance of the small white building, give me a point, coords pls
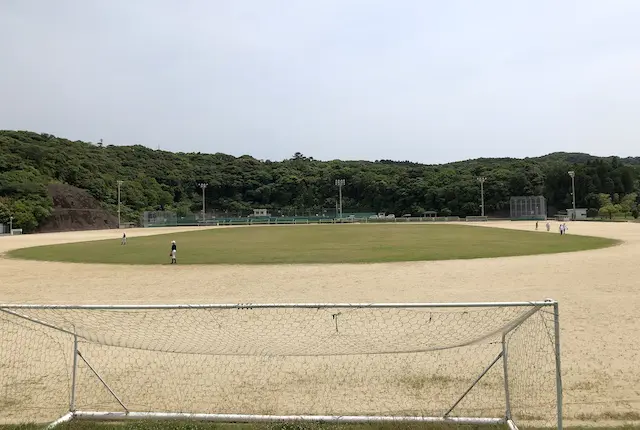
(581, 213)
(261, 212)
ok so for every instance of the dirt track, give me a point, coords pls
(597, 291)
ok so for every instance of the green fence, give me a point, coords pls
(171, 219)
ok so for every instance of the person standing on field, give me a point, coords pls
(174, 249)
(536, 225)
(548, 226)
(124, 239)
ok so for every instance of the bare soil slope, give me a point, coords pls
(75, 209)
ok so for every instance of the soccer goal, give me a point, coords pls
(460, 363)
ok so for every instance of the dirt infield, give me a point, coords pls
(597, 290)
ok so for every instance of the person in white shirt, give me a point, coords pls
(174, 249)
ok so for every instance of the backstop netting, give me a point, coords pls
(464, 363)
(159, 219)
(528, 208)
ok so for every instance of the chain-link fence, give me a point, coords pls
(173, 219)
(528, 208)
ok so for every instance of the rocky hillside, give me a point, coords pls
(75, 209)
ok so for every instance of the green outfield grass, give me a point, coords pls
(317, 244)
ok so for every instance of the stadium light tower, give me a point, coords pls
(573, 192)
(204, 186)
(481, 179)
(340, 183)
(119, 185)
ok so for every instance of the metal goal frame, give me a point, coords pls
(507, 419)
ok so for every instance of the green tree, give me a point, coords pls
(5, 213)
(607, 206)
(592, 213)
(628, 203)
(24, 216)
(160, 179)
(604, 199)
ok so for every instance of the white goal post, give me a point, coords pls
(462, 363)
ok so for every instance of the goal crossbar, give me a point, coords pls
(39, 313)
(547, 302)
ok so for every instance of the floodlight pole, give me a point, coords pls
(204, 186)
(119, 185)
(573, 192)
(481, 179)
(340, 183)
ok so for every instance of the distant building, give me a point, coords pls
(261, 212)
(580, 213)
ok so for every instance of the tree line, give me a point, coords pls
(162, 180)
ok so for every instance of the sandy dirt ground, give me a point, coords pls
(597, 290)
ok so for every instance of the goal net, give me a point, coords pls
(476, 363)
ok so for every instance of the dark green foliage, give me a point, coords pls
(299, 185)
(592, 213)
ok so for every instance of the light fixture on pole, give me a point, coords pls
(340, 183)
(204, 186)
(573, 192)
(119, 185)
(481, 179)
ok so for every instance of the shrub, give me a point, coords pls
(592, 213)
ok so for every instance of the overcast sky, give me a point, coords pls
(422, 80)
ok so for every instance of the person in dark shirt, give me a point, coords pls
(174, 249)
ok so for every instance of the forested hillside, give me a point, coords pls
(153, 179)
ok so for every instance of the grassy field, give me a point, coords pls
(178, 425)
(317, 244)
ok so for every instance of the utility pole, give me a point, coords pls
(481, 179)
(573, 192)
(340, 183)
(204, 186)
(119, 185)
